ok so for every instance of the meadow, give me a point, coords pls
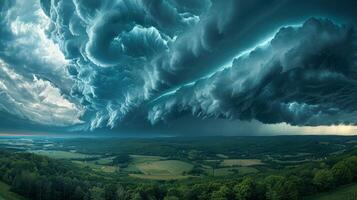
(162, 169)
(241, 162)
(58, 154)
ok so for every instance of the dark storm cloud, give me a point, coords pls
(120, 51)
(304, 76)
(126, 58)
(124, 53)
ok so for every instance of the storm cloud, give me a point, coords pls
(304, 76)
(124, 53)
(103, 64)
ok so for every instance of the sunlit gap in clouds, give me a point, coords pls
(30, 93)
(286, 129)
(47, 48)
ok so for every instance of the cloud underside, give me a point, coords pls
(304, 76)
(103, 63)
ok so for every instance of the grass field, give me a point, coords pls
(241, 162)
(5, 194)
(164, 167)
(225, 171)
(158, 176)
(143, 158)
(97, 167)
(61, 154)
(101, 164)
(157, 168)
(104, 161)
(139, 159)
(348, 192)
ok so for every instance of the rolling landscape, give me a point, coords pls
(298, 167)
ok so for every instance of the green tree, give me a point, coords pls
(352, 164)
(279, 188)
(171, 198)
(323, 179)
(78, 193)
(96, 193)
(122, 160)
(110, 192)
(342, 173)
(224, 193)
(290, 190)
(121, 194)
(245, 189)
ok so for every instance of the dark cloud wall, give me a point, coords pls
(304, 76)
(134, 63)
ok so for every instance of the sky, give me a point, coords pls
(178, 67)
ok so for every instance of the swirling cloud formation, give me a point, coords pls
(102, 63)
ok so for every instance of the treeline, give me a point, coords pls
(210, 146)
(40, 178)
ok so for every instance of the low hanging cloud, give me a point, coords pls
(304, 76)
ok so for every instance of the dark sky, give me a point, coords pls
(178, 67)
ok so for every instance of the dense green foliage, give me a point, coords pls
(6, 194)
(38, 177)
(122, 160)
(347, 192)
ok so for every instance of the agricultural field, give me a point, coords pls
(139, 160)
(144, 158)
(168, 167)
(162, 177)
(5, 194)
(100, 164)
(156, 168)
(241, 162)
(61, 154)
(103, 161)
(226, 171)
(97, 167)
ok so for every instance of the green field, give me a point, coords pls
(97, 167)
(139, 159)
(241, 162)
(144, 158)
(225, 171)
(5, 194)
(157, 168)
(104, 161)
(348, 192)
(158, 176)
(61, 154)
(165, 167)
